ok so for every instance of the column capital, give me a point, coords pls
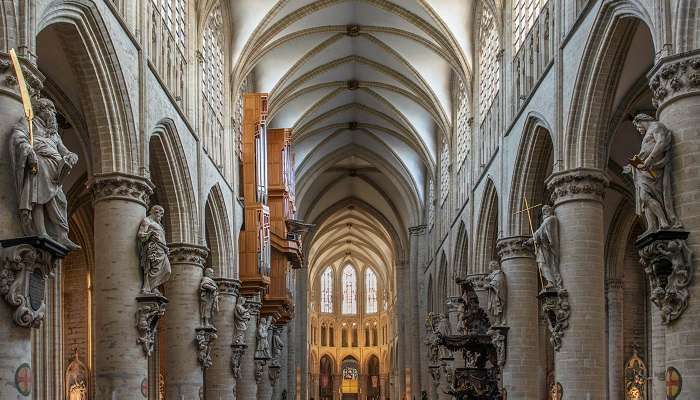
(514, 247)
(417, 230)
(118, 186)
(184, 253)
(675, 77)
(254, 305)
(577, 184)
(32, 76)
(227, 286)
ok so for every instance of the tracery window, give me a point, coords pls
(327, 291)
(349, 290)
(489, 66)
(168, 44)
(371, 291)
(173, 13)
(213, 87)
(431, 202)
(444, 170)
(463, 128)
(525, 13)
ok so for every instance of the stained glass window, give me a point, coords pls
(444, 169)
(489, 66)
(327, 291)
(371, 291)
(213, 86)
(349, 290)
(463, 128)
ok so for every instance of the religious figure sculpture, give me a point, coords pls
(444, 329)
(208, 297)
(39, 169)
(241, 316)
(153, 251)
(76, 379)
(651, 173)
(277, 345)
(262, 348)
(495, 285)
(546, 241)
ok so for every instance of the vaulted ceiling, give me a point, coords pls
(366, 86)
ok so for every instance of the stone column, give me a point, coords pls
(416, 236)
(580, 363)
(246, 385)
(121, 365)
(404, 332)
(657, 366)
(281, 383)
(265, 380)
(184, 376)
(616, 353)
(383, 382)
(522, 277)
(220, 382)
(675, 81)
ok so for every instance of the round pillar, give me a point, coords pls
(219, 378)
(581, 363)
(616, 353)
(246, 386)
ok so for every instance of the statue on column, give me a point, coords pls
(546, 241)
(262, 348)
(153, 251)
(241, 316)
(277, 345)
(651, 173)
(40, 164)
(208, 297)
(495, 285)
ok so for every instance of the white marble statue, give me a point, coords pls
(153, 251)
(495, 285)
(546, 241)
(39, 169)
(208, 297)
(651, 173)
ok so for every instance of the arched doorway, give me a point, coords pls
(373, 383)
(325, 379)
(350, 382)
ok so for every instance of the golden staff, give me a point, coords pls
(532, 231)
(26, 99)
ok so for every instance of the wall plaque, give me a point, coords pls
(674, 383)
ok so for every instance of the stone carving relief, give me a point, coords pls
(675, 78)
(241, 317)
(208, 298)
(236, 356)
(153, 251)
(150, 310)
(495, 285)
(556, 309)
(277, 345)
(204, 337)
(76, 379)
(262, 347)
(40, 163)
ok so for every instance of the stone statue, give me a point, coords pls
(277, 345)
(443, 329)
(76, 379)
(153, 251)
(651, 173)
(262, 347)
(495, 285)
(546, 241)
(208, 297)
(241, 316)
(39, 170)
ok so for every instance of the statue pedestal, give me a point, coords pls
(25, 265)
(555, 306)
(151, 307)
(205, 335)
(667, 262)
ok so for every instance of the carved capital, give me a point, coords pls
(184, 253)
(577, 184)
(150, 309)
(228, 287)
(667, 262)
(514, 247)
(675, 77)
(556, 309)
(237, 351)
(204, 337)
(417, 230)
(254, 305)
(613, 283)
(116, 186)
(8, 77)
(25, 264)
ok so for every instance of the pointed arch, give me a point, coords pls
(349, 289)
(461, 252)
(487, 229)
(218, 233)
(441, 289)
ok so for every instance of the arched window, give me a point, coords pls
(349, 290)
(463, 128)
(213, 87)
(431, 202)
(525, 13)
(489, 67)
(371, 291)
(444, 169)
(327, 291)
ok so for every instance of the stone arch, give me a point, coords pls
(461, 252)
(170, 174)
(585, 144)
(534, 163)
(441, 288)
(104, 95)
(429, 294)
(217, 232)
(487, 230)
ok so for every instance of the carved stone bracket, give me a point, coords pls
(499, 337)
(577, 184)
(150, 309)
(273, 372)
(555, 307)
(259, 369)
(204, 336)
(674, 77)
(116, 186)
(25, 264)
(667, 261)
(228, 287)
(237, 351)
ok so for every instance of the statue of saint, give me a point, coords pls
(651, 173)
(153, 251)
(241, 316)
(546, 241)
(39, 170)
(262, 348)
(277, 345)
(495, 285)
(208, 297)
